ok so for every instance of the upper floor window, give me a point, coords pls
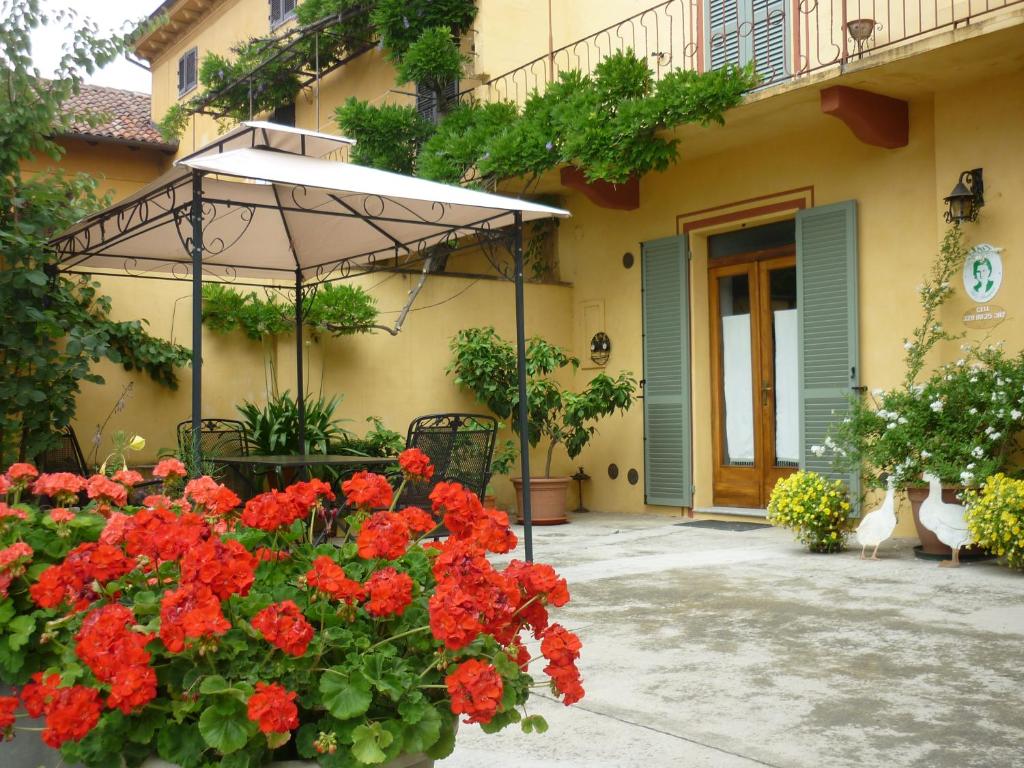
(741, 31)
(188, 68)
(432, 105)
(281, 11)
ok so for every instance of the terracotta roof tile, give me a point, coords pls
(127, 115)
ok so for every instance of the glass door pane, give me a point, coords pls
(782, 298)
(737, 394)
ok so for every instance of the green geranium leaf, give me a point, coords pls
(346, 693)
(424, 733)
(6, 611)
(225, 726)
(180, 744)
(445, 743)
(213, 684)
(369, 743)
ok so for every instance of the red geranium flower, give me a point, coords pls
(10, 513)
(390, 592)
(272, 510)
(63, 487)
(272, 707)
(476, 689)
(329, 577)
(127, 477)
(308, 492)
(61, 516)
(13, 561)
(190, 612)
(539, 579)
(283, 625)
(7, 706)
(103, 488)
(383, 534)
(561, 647)
(214, 498)
(72, 580)
(73, 712)
(461, 507)
(418, 520)
(169, 468)
(225, 567)
(160, 535)
(416, 464)
(20, 475)
(37, 695)
(5, 485)
(117, 656)
(367, 491)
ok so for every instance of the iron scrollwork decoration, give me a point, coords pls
(212, 213)
(600, 348)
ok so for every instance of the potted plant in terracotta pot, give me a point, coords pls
(962, 424)
(193, 631)
(485, 364)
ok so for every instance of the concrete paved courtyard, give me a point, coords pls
(738, 649)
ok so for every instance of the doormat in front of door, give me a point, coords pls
(724, 525)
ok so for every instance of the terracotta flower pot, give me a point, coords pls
(547, 499)
(930, 544)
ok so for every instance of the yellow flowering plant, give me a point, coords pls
(815, 508)
(995, 516)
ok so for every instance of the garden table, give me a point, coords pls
(286, 465)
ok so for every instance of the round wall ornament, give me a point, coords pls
(983, 272)
(600, 348)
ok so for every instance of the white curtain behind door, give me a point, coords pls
(787, 387)
(738, 389)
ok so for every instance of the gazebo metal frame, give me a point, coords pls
(101, 244)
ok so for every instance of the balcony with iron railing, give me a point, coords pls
(786, 39)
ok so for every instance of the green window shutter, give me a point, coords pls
(668, 464)
(769, 23)
(826, 268)
(725, 45)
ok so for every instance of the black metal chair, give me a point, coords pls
(221, 437)
(64, 456)
(459, 445)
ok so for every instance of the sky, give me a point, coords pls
(110, 15)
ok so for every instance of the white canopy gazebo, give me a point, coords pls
(263, 204)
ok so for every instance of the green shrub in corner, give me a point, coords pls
(815, 508)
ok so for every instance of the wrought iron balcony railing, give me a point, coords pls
(785, 38)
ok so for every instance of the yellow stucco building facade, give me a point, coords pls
(847, 150)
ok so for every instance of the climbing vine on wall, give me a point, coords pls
(257, 76)
(607, 124)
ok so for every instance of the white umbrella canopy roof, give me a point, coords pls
(271, 213)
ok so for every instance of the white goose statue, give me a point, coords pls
(947, 521)
(878, 524)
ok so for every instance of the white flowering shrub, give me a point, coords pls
(962, 424)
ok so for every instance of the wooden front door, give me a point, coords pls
(755, 391)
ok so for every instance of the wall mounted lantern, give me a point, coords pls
(966, 198)
(600, 348)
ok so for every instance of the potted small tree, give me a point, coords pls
(485, 364)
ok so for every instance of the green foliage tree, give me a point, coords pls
(453, 150)
(485, 364)
(432, 62)
(387, 137)
(400, 23)
(52, 328)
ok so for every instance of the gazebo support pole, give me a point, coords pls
(196, 214)
(300, 397)
(524, 422)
